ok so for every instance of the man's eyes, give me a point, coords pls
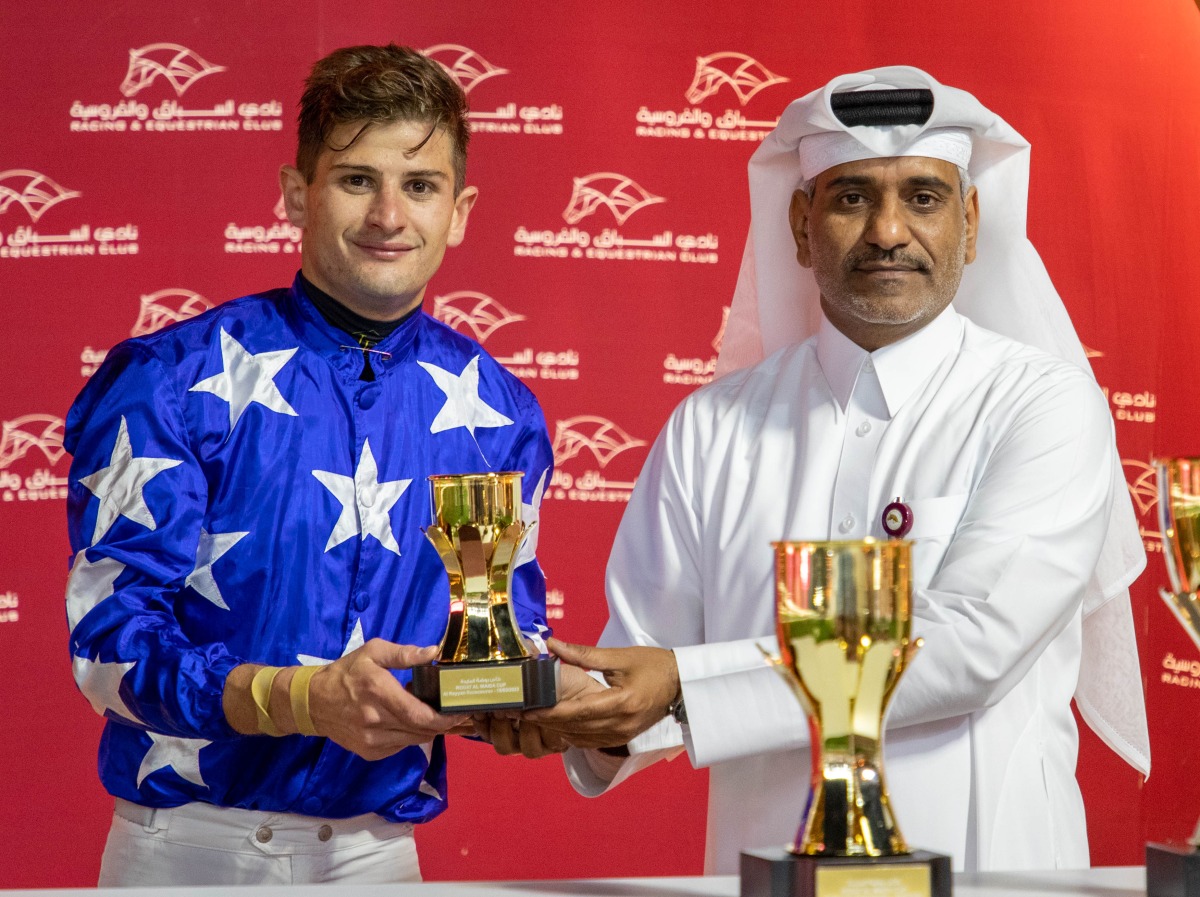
(362, 182)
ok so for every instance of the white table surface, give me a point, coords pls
(1126, 881)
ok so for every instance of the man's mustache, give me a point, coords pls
(898, 257)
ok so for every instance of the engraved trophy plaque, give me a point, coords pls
(484, 662)
(1173, 870)
(844, 618)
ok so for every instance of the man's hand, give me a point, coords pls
(642, 684)
(510, 733)
(354, 701)
(357, 702)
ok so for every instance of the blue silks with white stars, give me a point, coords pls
(239, 495)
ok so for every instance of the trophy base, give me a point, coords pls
(1172, 870)
(521, 684)
(776, 872)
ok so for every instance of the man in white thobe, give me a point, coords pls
(879, 384)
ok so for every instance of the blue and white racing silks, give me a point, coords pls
(239, 495)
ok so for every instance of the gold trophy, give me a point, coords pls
(1174, 870)
(844, 619)
(484, 662)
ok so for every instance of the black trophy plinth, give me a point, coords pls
(1172, 870)
(520, 684)
(776, 872)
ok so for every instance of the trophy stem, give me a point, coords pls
(848, 813)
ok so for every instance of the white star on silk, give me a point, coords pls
(119, 486)
(208, 551)
(366, 502)
(355, 642)
(88, 585)
(531, 513)
(426, 787)
(180, 754)
(101, 685)
(247, 379)
(464, 407)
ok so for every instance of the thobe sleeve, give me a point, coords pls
(1015, 571)
(656, 597)
(135, 545)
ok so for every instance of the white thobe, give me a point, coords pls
(1004, 455)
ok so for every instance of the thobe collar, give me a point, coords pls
(339, 347)
(900, 367)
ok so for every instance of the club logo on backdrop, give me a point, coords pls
(475, 313)
(155, 311)
(740, 73)
(583, 439)
(171, 69)
(280, 236)
(685, 371)
(622, 197)
(463, 64)
(719, 77)
(37, 194)
(470, 70)
(599, 436)
(175, 64)
(30, 449)
(480, 316)
(1143, 489)
(165, 307)
(31, 190)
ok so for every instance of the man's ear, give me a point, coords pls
(295, 194)
(972, 210)
(798, 217)
(463, 203)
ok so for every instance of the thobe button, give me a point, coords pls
(367, 398)
(360, 601)
(325, 832)
(263, 835)
(847, 523)
(311, 805)
(868, 366)
(864, 428)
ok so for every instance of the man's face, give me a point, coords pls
(887, 240)
(378, 215)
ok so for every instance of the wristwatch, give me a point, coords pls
(677, 710)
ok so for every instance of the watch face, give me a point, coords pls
(678, 711)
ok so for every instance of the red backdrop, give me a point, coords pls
(599, 260)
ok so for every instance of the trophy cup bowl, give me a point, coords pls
(1174, 870)
(844, 621)
(484, 663)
